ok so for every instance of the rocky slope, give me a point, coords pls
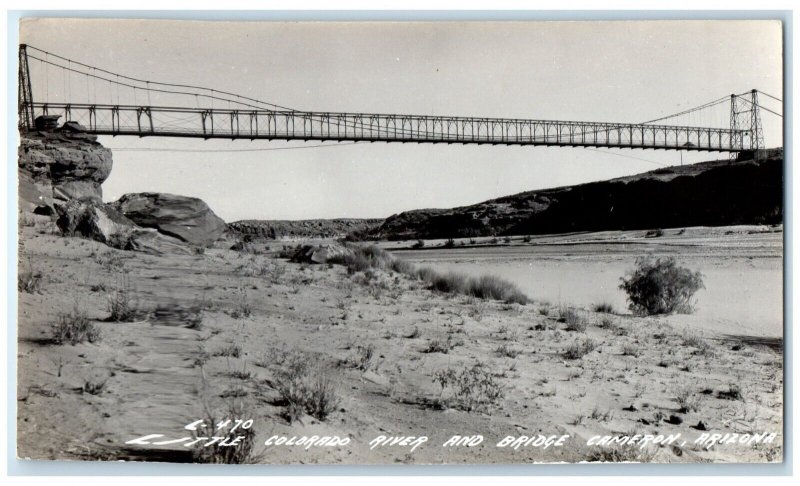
(713, 193)
(308, 228)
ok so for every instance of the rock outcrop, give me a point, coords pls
(60, 175)
(62, 166)
(103, 223)
(188, 219)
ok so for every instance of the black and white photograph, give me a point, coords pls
(400, 242)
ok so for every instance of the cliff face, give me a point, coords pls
(706, 194)
(309, 228)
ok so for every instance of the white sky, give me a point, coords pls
(602, 71)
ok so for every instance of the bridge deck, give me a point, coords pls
(208, 123)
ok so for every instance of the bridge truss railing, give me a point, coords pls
(297, 125)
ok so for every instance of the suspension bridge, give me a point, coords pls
(117, 104)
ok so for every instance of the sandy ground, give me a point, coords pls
(154, 375)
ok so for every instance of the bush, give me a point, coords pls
(579, 348)
(74, 328)
(364, 258)
(302, 387)
(122, 304)
(572, 320)
(603, 307)
(483, 287)
(474, 389)
(660, 286)
(242, 453)
(419, 244)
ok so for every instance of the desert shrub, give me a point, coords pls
(603, 307)
(364, 356)
(732, 393)
(450, 243)
(288, 251)
(573, 321)
(660, 286)
(231, 351)
(483, 287)
(507, 351)
(28, 281)
(418, 244)
(474, 389)
(621, 453)
(606, 323)
(242, 453)
(579, 348)
(687, 400)
(630, 349)
(242, 308)
(442, 346)
(74, 328)
(93, 387)
(303, 388)
(364, 258)
(122, 303)
(491, 287)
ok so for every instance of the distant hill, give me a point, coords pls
(307, 228)
(716, 193)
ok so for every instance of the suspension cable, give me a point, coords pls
(763, 108)
(173, 85)
(769, 95)
(690, 110)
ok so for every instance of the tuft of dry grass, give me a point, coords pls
(573, 321)
(29, 280)
(302, 387)
(507, 351)
(603, 307)
(237, 425)
(442, 346)
(474, 388)
(630, 349)
(364, 258)
(231, 351)
(687, 399)
(483, 287)
(579, 348)
(74, 328)
(122, 303)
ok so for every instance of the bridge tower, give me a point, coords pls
(745, 116)
(24, 92)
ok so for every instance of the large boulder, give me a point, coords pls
(187, 218)
(65, 165)
(328, 253)
(103, 223)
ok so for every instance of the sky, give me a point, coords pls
(623, 71)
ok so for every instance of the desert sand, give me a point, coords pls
(382, 341)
